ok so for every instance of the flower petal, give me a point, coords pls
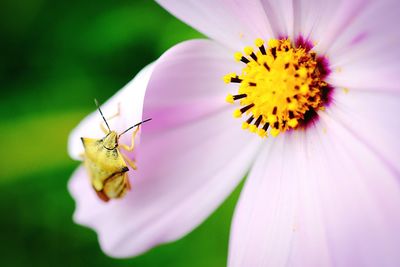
(280, 16)
(130, 102)
(373, 117)
(264, 219)
(364, 53)
(191, 156)
(358, 195)
(188, 84)
(325, 200)
(330, 19)
(233, 23)
(312, 18)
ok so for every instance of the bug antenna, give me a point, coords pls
(137, 124)
(101, 113)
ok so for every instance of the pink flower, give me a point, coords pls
(322, 194)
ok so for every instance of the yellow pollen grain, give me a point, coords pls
(238, 56)
(227, 78)
(229, 98)
(262, 133)
(274, 132)
(279, 82)
(259, 42)
(237, 113)
(248, 50)
(293, 123)
(304, 89)
(253, 128)
(273, 43)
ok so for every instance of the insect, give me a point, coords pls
(106, 165)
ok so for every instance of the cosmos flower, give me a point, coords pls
(315, 89)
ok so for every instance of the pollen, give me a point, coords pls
(280, 85)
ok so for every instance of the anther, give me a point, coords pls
(249, 120)
(236, 97)
(244, 60)
(262, 50)
(258, 121)
(246, 108)
(240, 57)
(273, 52)
(260, 44)
(253, 56)
(236, 80)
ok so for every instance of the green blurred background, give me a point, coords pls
(56, 57)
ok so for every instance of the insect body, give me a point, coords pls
(106, 165)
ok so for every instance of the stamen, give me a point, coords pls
(240, 57)
(236, 97)
(236, 80)
(246, 108)
(258, 121)
(266, 126)
(249, 120)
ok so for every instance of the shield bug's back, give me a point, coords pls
(106, 165)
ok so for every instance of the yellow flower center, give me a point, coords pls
(280, 86)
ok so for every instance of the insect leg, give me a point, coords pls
(128, 184)
(116, 114)
(104, 129)
(130, 148)
(130, 162)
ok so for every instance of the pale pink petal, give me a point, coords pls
(130, 102)
(319, 198)
(364, 54)
(280, 16)
(191, 156)
(264, 219)
(233, 23)
(313, 18)
(334, 17)
(189, 84)
(356, 203)
(373, 117)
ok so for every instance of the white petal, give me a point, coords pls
(363, 51)
(264, 219)
(233, 23)
(318, 198)
(374, 118)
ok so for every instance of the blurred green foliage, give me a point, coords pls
(56, 57)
